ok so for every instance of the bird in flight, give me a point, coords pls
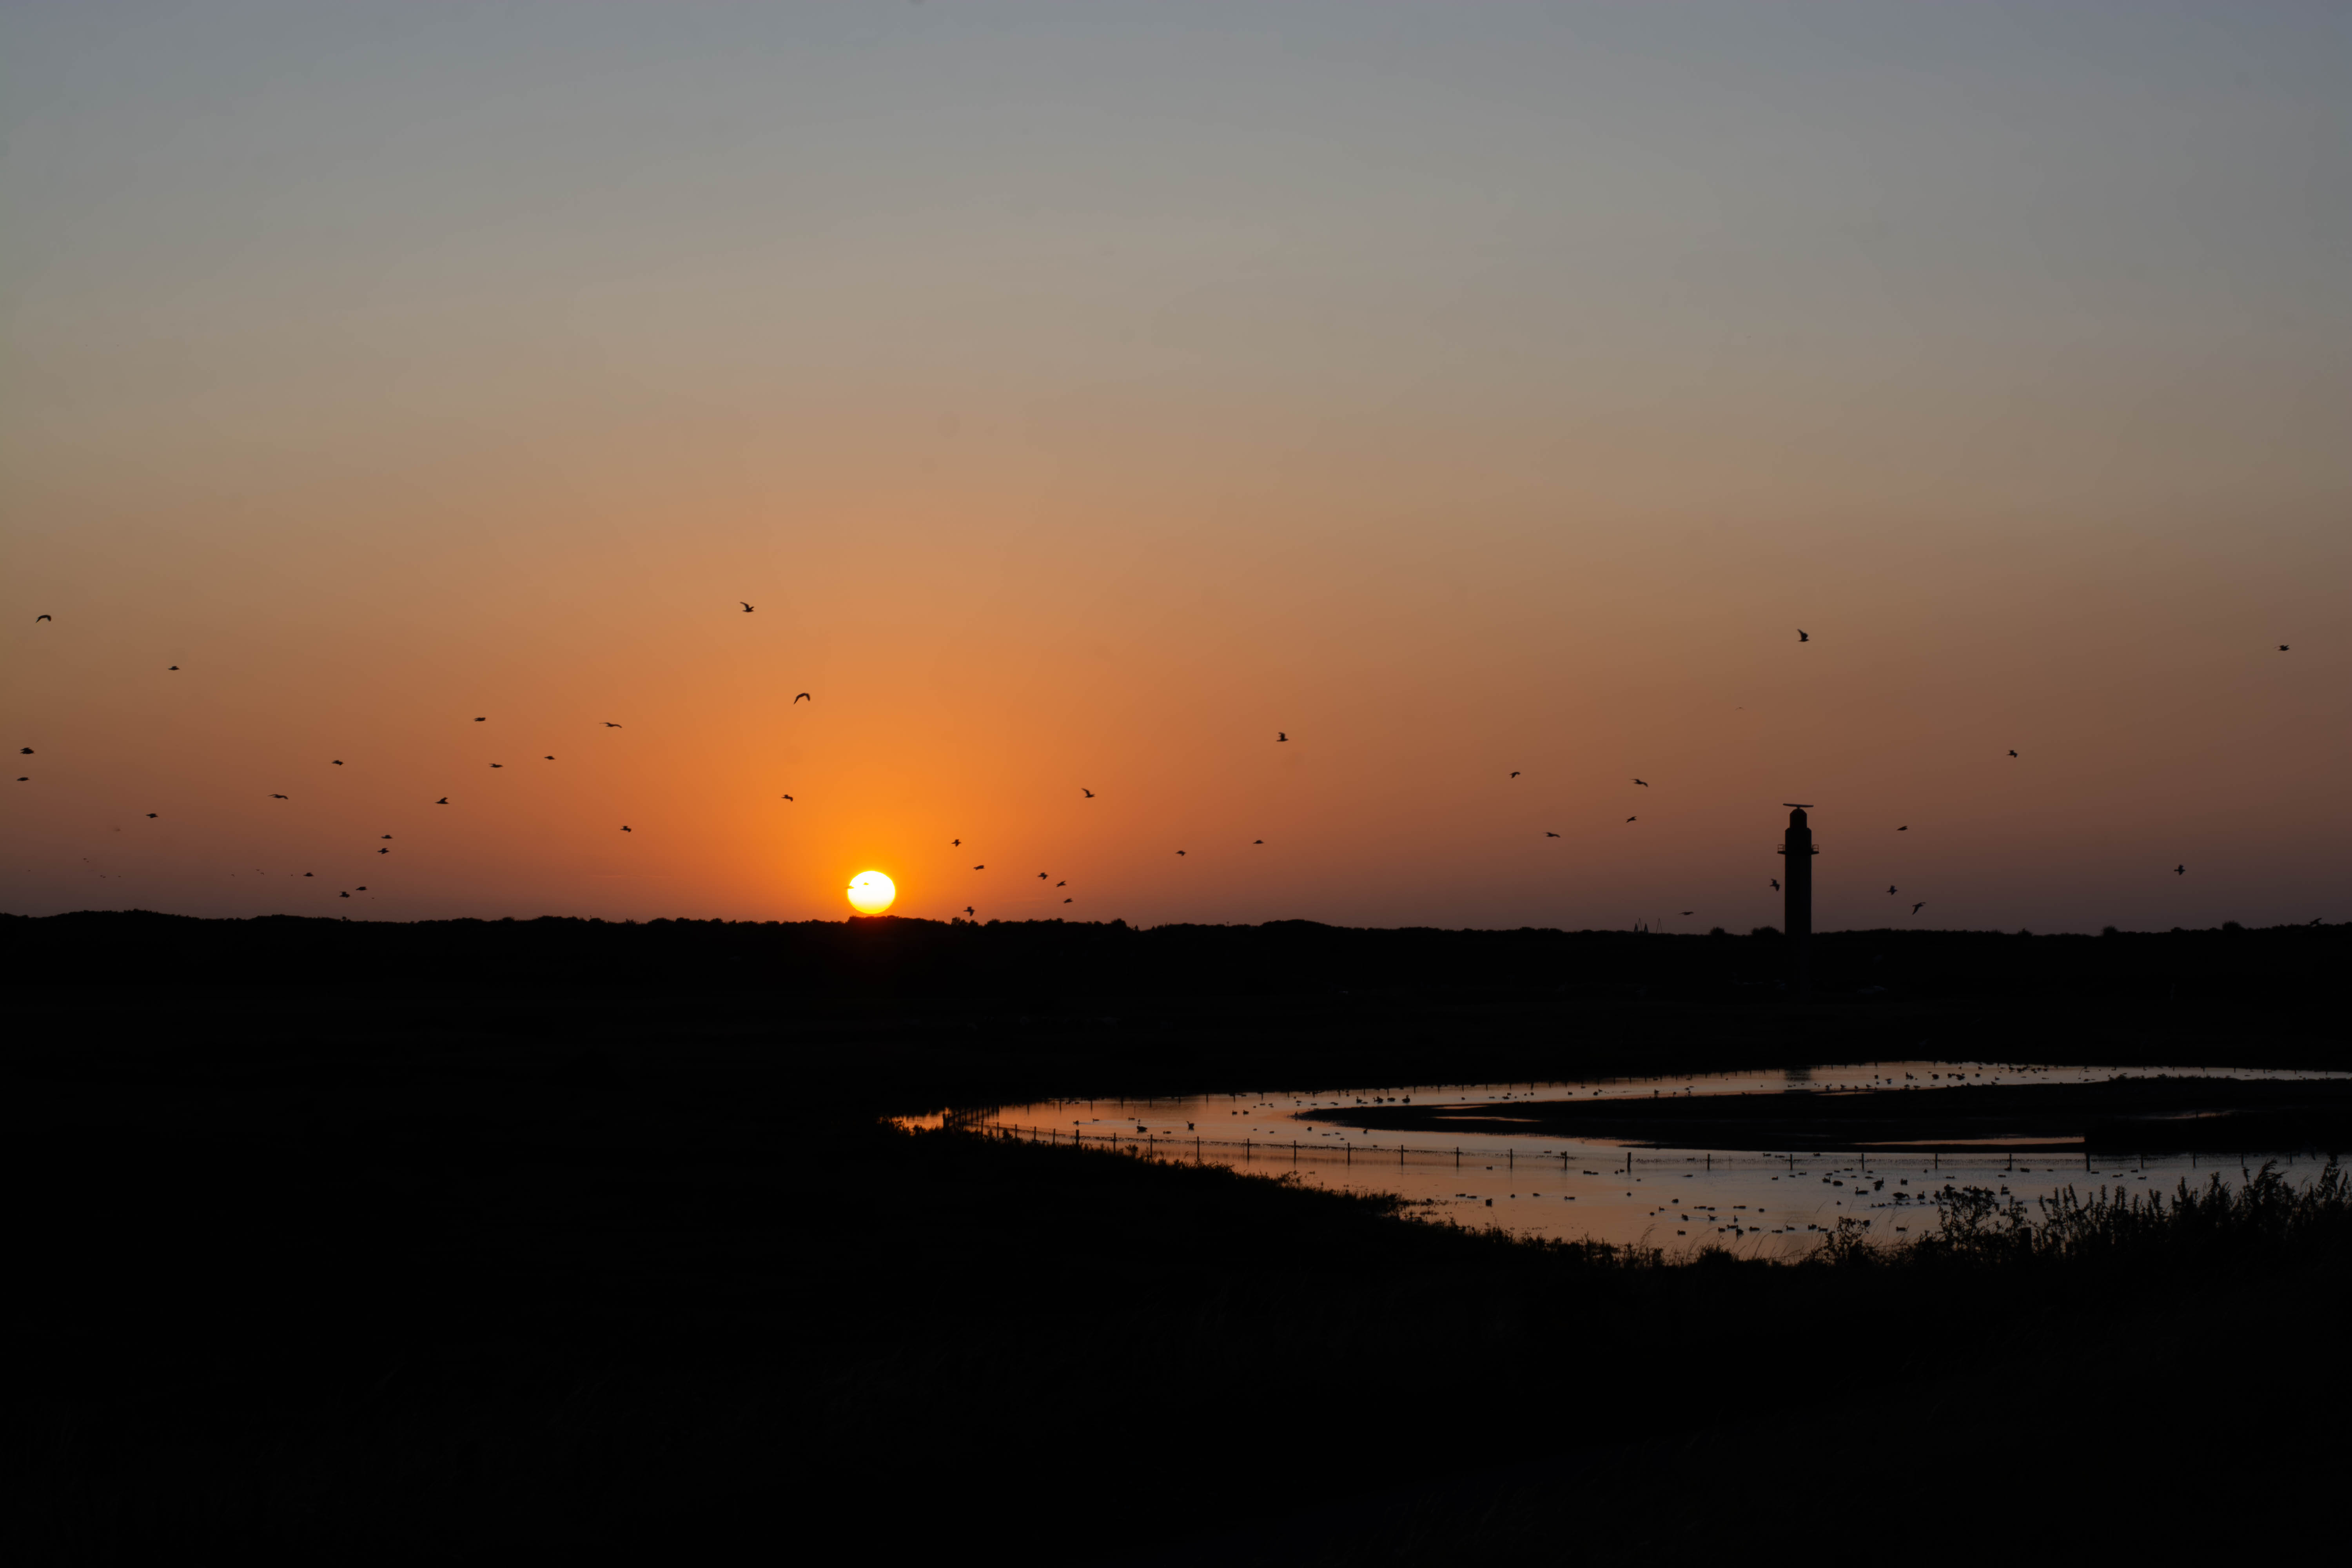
(788, 797)
(1890, 890)
(1548, 834)
(443, 801)
(1180, 852)
(1066, 901)
(151, 817)
(610, 725)
(1917, 907)
(387, 836)
(624, 828)
(2281, 646)
(549, 759)
(746, 603)
(981, 867)
(1514, 773)
(1282, 735)
(804, 697)
(497, 764)
(1632, 819)
(24, 752)
(1257, 840)
(343, 895)
(383, 851)
(1643, 783)
(2012, 753)
(1688, 912)
(2181, 870)
(955, 843)
(1063, 884)
(1041, 876)
(1802, 635)
(482, 719)
(1776, 884)
(175, 667)
(1085, 790)
(39, 618)
(339, 761)
(1904, 828)
(968, 909)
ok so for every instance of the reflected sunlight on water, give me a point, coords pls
(1770, 1203)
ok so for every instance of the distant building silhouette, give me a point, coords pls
(1797, 890)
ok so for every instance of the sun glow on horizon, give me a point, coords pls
(871, 892)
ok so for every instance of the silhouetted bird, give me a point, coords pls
(1548, 834)
(45, 617)
(1257, 840)
(746, 603)
(387, 836)
(2012, 753)
(363, 887)
(2181, 870)
(1180, 852)
(1041, 876)
(1514, 773)
(1917, 907)
(383, 851)
(1282, 735)
(788, 797)
(175, 667)
(151, 817)
(24, 778)
(980, 867)
(967, 910)
(26, 751)
(624, 828)
(547, 758)
(610, 725)
(1643, 783)
(278, 797)
(339, 761)
(481, 721)
(1088, 793)
(343, 895)
(1801, 636)
(443, 801)
(497, 764)
(1890, 890)
(1066, 901)
(310, 873)
(1776, 884)
(2281, 646)
(804, 697)
(955, 843)
(1630, 819)
(1904, 828)
(1063, 884)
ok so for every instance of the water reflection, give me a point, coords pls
(1770, 1203)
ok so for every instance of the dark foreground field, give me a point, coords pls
(422, 1242)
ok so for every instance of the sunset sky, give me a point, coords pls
(1083, 393)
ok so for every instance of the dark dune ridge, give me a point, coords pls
(2146, 1115)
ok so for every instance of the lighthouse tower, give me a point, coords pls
(1797, 884)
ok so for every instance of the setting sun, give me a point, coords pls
(871, 892)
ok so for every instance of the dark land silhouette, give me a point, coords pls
(466, 1238)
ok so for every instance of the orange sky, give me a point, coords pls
(1082, 405)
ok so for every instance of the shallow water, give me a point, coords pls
(1771, 1205)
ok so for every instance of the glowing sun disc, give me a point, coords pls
(871, 892)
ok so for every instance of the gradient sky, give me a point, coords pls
(1085, 393)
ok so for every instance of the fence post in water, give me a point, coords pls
(1457, 1156)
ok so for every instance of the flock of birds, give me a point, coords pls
(1282, 737)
